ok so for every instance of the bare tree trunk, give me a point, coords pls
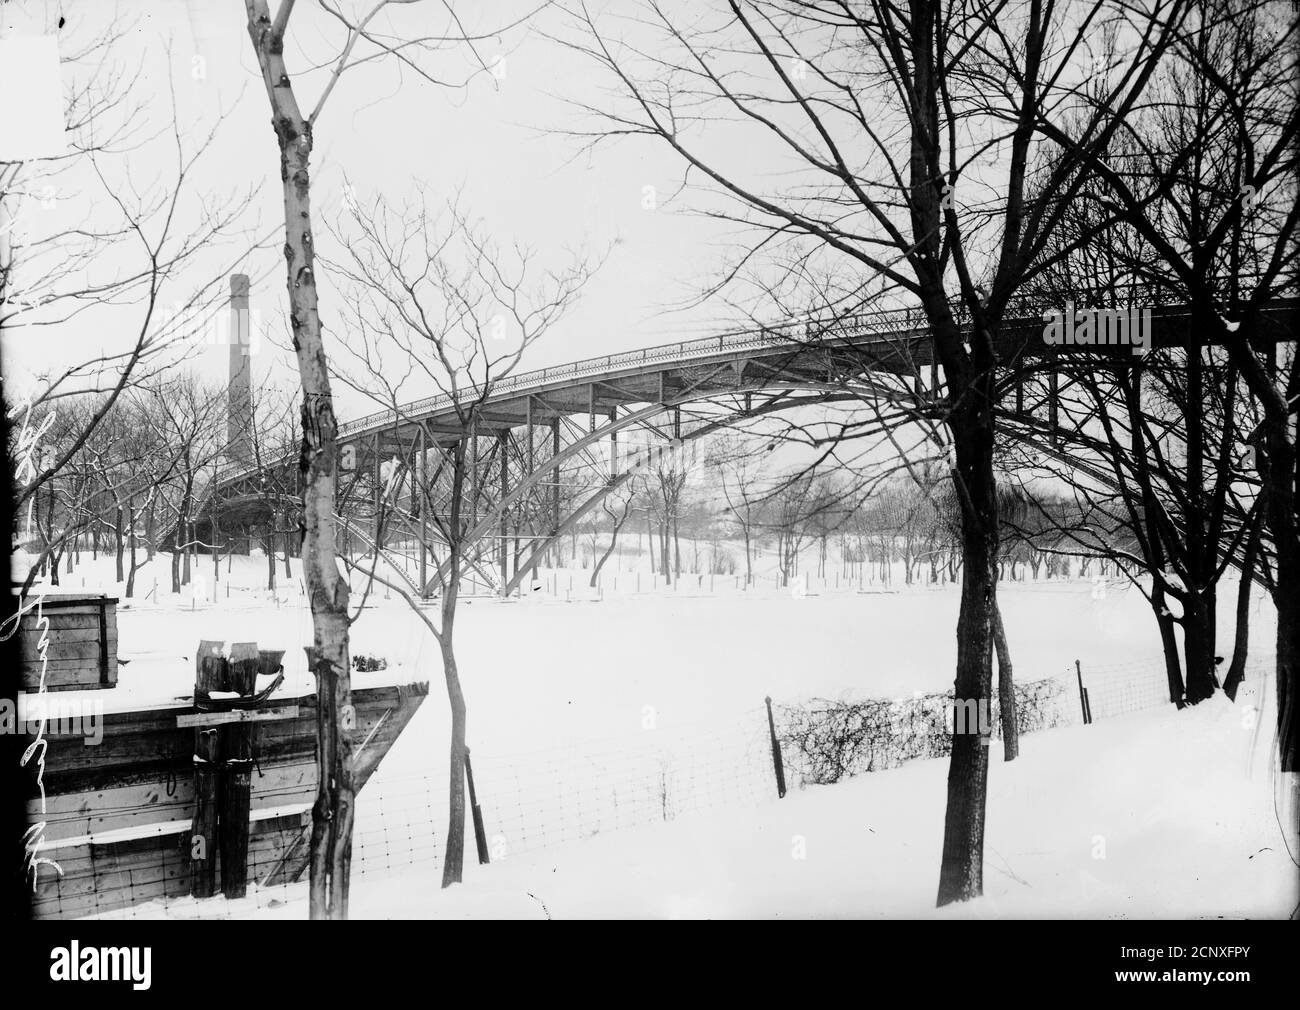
(1279, 479)
(130, 579)
(1199, 643)
(117, 533)
(613, 543)
(1168, 642)
(327, 590)
(1237, 670)
(454, 858)
(1006, 691)
(961, 875)
(270, 555)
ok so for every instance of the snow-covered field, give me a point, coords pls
(620, 755)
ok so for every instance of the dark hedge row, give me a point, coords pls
(824, 740)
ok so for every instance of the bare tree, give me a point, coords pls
(618, 513)
(882, 114)
(1218, 210)
(435, 303)
(366, 38)
(131, 244)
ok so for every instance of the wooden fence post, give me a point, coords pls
(480, 834)
(1084, 707)
(223, 757)
(236, 774)
(203, 835)
(776, 751)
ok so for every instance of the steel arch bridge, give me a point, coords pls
(545, 447)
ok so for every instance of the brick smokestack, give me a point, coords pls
(239, 421)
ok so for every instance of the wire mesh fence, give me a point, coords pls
(530, 801)
(541, 799)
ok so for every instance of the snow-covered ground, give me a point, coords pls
(1161, 815)
(620, 755)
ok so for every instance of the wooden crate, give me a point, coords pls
(81, 651)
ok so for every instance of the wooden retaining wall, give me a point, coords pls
(118, 815)
(81, 649)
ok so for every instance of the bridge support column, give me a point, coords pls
(502, 551)
(555, 479)
(378, 538)
(528, 423)
(420, 499)
(613, 443)
(473, 472)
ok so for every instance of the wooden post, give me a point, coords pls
(241, 668)
(235, 800)
(203, 834)
(236, 778)
(776, 751)
(476, 812)
(210, 670)
(209, 675)
(1083, 695)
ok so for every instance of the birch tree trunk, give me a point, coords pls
(327, 590)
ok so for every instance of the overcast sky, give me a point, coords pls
(497, 142)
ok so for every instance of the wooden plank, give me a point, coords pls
(135, 762)
(79, 599)
(61, 622)
(146, 744)
(62, 665)
(30, 642)
(64, 671)
(64, 677)
(149, 869)
(77, 814)
(62, 647)
(237, 715)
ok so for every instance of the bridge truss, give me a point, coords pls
(542, 449)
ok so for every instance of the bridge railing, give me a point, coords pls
(882, 324)
(879, 323)
(878, 326)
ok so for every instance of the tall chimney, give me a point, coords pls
(239, 421)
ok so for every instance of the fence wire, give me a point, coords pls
(537, 800)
